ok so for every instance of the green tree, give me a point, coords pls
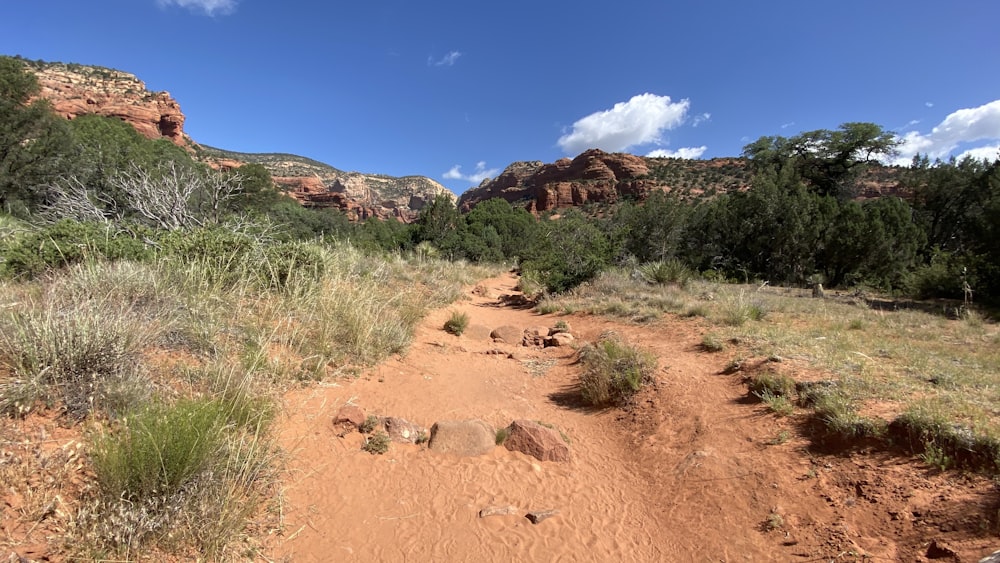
(441, 224)
(496, 230)
(567, 252)
(829, 161)
(34, 142)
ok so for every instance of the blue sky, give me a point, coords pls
(458, 90)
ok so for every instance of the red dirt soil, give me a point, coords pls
(694, 471)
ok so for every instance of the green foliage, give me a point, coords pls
(377, 443)
(457, 323)
(570, 251)
(614, 371)
(502, 435)
(712, 343)
(34, 141)
(369, 425)
(827, 160)
(666, 271)
(496, 231)
(69, 242)
(159, 450)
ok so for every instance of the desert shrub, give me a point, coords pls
(712, 343)
(666, 271)
(186, 472)
(739, 308)
(368, 426)
(773, 384)
(86, 356)
(457, 323)
(614, 371)
(377, 443)
(68, 242)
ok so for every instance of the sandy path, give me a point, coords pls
(688, 475)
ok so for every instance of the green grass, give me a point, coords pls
(613, 371)
(181, 453)
(457, 323)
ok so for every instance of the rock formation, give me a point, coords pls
(592, 177)
(76, 90)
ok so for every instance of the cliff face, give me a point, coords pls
(76, 90)
(599, 177)
(360, 196)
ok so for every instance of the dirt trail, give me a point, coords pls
(695, 472)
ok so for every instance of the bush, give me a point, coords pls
(614, 371)
(69, 242)
(377, 443)
(159, 450)
(87, 356)
(457, 323)
(666, 271)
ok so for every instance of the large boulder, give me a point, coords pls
(462, 437)
(540, 442)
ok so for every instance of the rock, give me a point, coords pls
(498, 511)
(938, 550)
(560, 339)
(562, 327)
(401, 430)
(508, 334)
(476, 332)
(463, 438)
(82, 90)
(991, 558)
(541, 442)
(537, 516)
(535, 336)
(593, 176)
(349, 417)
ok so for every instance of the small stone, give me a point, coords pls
(348, 418)
(537, 516)
(560, 339)
(401, 430)
(465, 438)
(498, 511)
(540, 442)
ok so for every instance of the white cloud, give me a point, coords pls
(787, 125)
(929, 104)
(699, 119)
(963, 126)
(988, 153)
(447, 60)
(210, 7)
(477, 177)
(638, 121)
(684, 152)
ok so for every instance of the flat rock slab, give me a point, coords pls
(462, 437)
(508, 334)
(476, 332)
(498, 511)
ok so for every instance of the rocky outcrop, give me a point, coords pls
(592, 177)
(359, 196)
(76, 90)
